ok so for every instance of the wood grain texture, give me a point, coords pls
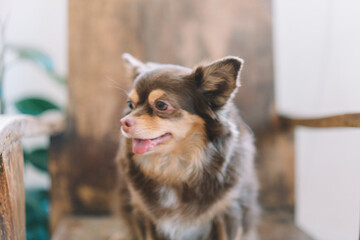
(273, 226)
(180, 32)
(12, 193)
(276, 169)
(341, 120)
(12, 198)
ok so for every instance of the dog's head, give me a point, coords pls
(172, 105)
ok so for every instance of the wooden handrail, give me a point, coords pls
(341, 120)
(14, 127)
(12, 194)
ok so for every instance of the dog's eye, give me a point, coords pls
(161, 106)
(130, 104)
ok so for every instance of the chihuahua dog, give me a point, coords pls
(186, 158)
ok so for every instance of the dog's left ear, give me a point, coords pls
(134, 65)
(219, 80)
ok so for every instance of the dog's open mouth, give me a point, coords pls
(141, 146)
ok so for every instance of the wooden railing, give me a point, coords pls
(13, 128)
(12, 194)
(341, 120)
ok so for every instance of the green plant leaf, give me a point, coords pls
(37, 214)
(35, 106)
(57, 77)
(39, 58)
(35, 55)
(38, 158)
(26, 156)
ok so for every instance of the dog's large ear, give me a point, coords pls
(134, 65)
(219, 80)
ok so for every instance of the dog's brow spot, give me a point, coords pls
(134, 97)
(155, 94)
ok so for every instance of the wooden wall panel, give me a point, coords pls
(180, 32)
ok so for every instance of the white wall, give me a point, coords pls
(317, 56)
(41, 24)
(328, 182)
(317, 72)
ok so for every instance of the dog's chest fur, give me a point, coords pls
(170, 219)
(182, 213)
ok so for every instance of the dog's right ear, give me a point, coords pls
(134, 65)
(219, 80)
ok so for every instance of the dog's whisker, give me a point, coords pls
(116, 85)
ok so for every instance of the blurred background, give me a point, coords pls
(301, 60)
(33, 80)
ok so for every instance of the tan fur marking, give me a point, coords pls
(211, 82)
(221, 229)
(154, 95)
(148, 233)
(181, 158)
(134, 97)
(154, 126)
(136, 227)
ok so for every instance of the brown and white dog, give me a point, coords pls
(186, 158)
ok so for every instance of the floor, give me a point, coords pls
(273, 226)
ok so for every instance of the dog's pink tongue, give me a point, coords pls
(140, 146)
